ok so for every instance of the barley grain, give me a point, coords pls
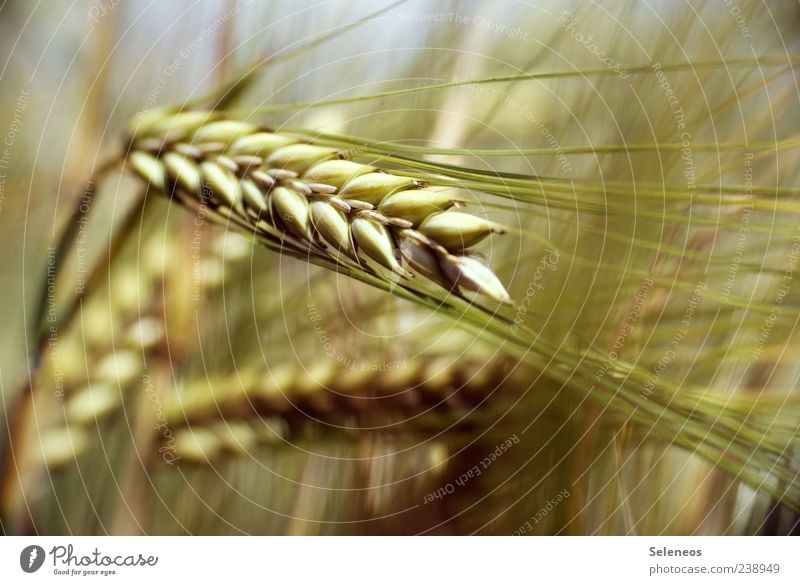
(93, 403)
(60, 446)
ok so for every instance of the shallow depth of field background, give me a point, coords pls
(73, 74)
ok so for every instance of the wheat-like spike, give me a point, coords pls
(311, 199)
(96, 388)
(116, 372)
(330, 388)
(236, 412)
(120, 369)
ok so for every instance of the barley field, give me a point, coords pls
(367, 268)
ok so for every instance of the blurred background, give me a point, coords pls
(206, 386)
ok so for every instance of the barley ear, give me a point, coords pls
(301, 196)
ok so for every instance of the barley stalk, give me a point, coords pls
(310, 199)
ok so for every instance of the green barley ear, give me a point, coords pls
(289, 192)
